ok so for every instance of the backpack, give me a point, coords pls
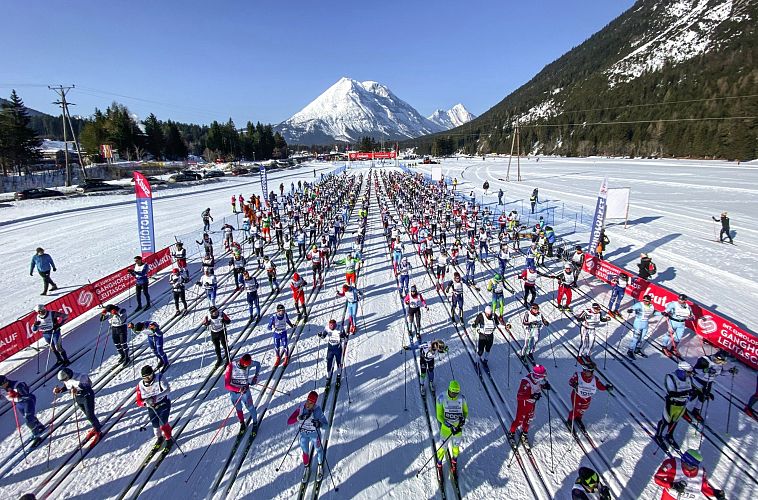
(652, 269)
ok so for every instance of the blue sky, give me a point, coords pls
(196, 61)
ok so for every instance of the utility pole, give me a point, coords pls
(66, 117)
(515, 144)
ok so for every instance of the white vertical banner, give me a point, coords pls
(598, 221)
(617, 203)
(436, 173)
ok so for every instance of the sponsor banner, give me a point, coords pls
(145, 231)
(379, 155)
(599, 220)
(716, 329)
(264, 183)
(617, 203)
(18, 335)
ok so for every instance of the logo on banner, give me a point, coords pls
(590, 264)
(85, 298)
(707, 325)
(145, 228)
(144, 186)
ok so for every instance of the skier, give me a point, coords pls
(566, 281)
(584, 385)
(352, 296)
(316, 257)
(684, 478)
(237, 265)
(590, 319)
(24, 402)
(297, 285)
(141, 282)
(44, 264)
(415, 301)
(207, 243)
(237, 380)
(49, 323)
(532, 321)
(403, 273)
(724, 219)
(484, 250)
(277, 325)
(705, 372)
(643, 312)
(312, 420)
(209, 284)
(587, 486)
(234, 204)
(116, 317)
(216, 321)
(495, 285)
(485, 324)
(154, 340)
(602, 244)
(646, 267)
(500, 196)
(533, 201)
(619, 283)
(428, 352)
(455, 288)
(178, 282)
(577, 261)
(470, 264)
(679, 391)
(152, 393)
(529, 391)
(180, 258)
(289, 248)
(336, 339)
(529, 277)
(503, 256)
(80, 387)
(678, 313)
(253, 301)
(452, 413)
(270, 266)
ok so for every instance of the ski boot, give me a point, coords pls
(164, 368)
(639, 352)
(696, 414)
(243, 426)
(578, 422)
(438, 466)
(672, 442)
(750, 413)
(630, 354)
(320, 472)
(454, 466)
(285, 360)
(36, 441)
(277, 360)
(219, 362)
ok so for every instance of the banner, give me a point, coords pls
(106, 151)
(599, 219)
(379, 155)
(617, 203)
(436, 173)
(145, 231)
(264, 183)
(713, 327)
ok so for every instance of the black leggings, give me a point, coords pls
(219, 338)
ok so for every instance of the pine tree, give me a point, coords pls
(155, 141)
(176, 148)
(18, 141)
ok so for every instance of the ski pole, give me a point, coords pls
(223, 424)
(47, 363)
(18, 428)
(202, 356)
(163, 424)
(552, 350)
(39, 351)
(447, 355)
(405, 382)
(97, 344)
(105, 345)
(291, 445)
(328, 469)
(434, 455)
(318, 357)
(729, 412)
(605, 341)
(78, 431)
(52, 428)
(273, 389)
(550, 430)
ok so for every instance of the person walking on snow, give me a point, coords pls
(336, 339)
(646, 267)
(80, 387)
(452, 413)
(352, 296)
(584, 384)
(485, 324)
(234, 204)
(152, 393)
(428, 352)
(500, 196)
(677, 312)
(116, 317)
(679, 391)
(237, 380)
(277, 326)
(141, 281)
(532, 322)
(216, 321)
(529, 391)
(207, 219)
(24, 402)
(705, 372)
(312, 420)
(49, 324)
(154, 340)
(44, 264)
(643, 312)
(414, 300)
(297, 285)
(684, 478)
(725, 231)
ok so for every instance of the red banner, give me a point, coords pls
(18, 335)
(381, 155)
(716, 329)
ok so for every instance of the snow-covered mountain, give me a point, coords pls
(349, 110)
(453, 117)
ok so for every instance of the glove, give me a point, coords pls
(58, 389)
(679, 486)
(55, 270)
(255, 380)
(630, 311)
(604, 492)
(455, 429)
(537, 396)
(150, 401)
(102, 317)
(546, 386)
(12, 393)
(709, 395)
(719, 494)
(733, 370)
(302, 416)
(609, 387)
(462, 422)
(243, 389)
(316, 423)
(405, 347)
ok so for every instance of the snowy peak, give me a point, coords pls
(453, 117)
(349, 110)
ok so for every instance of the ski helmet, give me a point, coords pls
(498, 277)
(296, 277)
(682, 297)
(488, 310)
(65, 374)
(147, 371)
(587, 477)
(175, 270)
(40, 308)
(539, 372)
(692, 457)
(246, 360)
(684, 366)
(454, 387)
(312, 397)
(720, 357)
(179, 244)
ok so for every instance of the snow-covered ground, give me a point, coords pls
(375, 446)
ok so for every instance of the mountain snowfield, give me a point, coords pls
(349, 110)
(453, 117)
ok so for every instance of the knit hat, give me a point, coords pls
(692, 457)
(312, 397)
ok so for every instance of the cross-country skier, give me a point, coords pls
(532, 322)
(44, 264)
(352, 296)
(485, 324)
(577, 261)
(684, 478)
(207, 219)
(529, 277)
(49, 324)
(177, 280)
(216, 321)
(154, 340)
(705, 372)
(237, 265)
(414, 300)
(237, 380)
(725, 231)
(643, 312)
(590, 318)
(180, 258)
(336, 338)
(428, 352)
(584, 385)
(495, 285)
(116, 317)
(207, 243)
(253, 301)
(270, 266)
(24, 402)
(529, 391)
(587, 486)
(277, 325)
(619, 283)
(470, 265)
(678, 313)
(455, 288)
(316, 257)
(141, 282)
(503, 256)
(452, 413)
(566, 281)
(80, 386)
(297, 285)
(679, 390)
(152, 394)
(210, 286)
(312, 420)
(403, 271)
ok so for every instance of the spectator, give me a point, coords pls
(646, 267)
(44, 264)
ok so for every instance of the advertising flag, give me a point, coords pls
(599, 220)
(145, 231)
(264, 183)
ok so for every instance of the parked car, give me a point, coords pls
(28, 194)
(240, 171)
(194, 176)
(212, 173)
(182, 177)
(95, 185)
(154, 181)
